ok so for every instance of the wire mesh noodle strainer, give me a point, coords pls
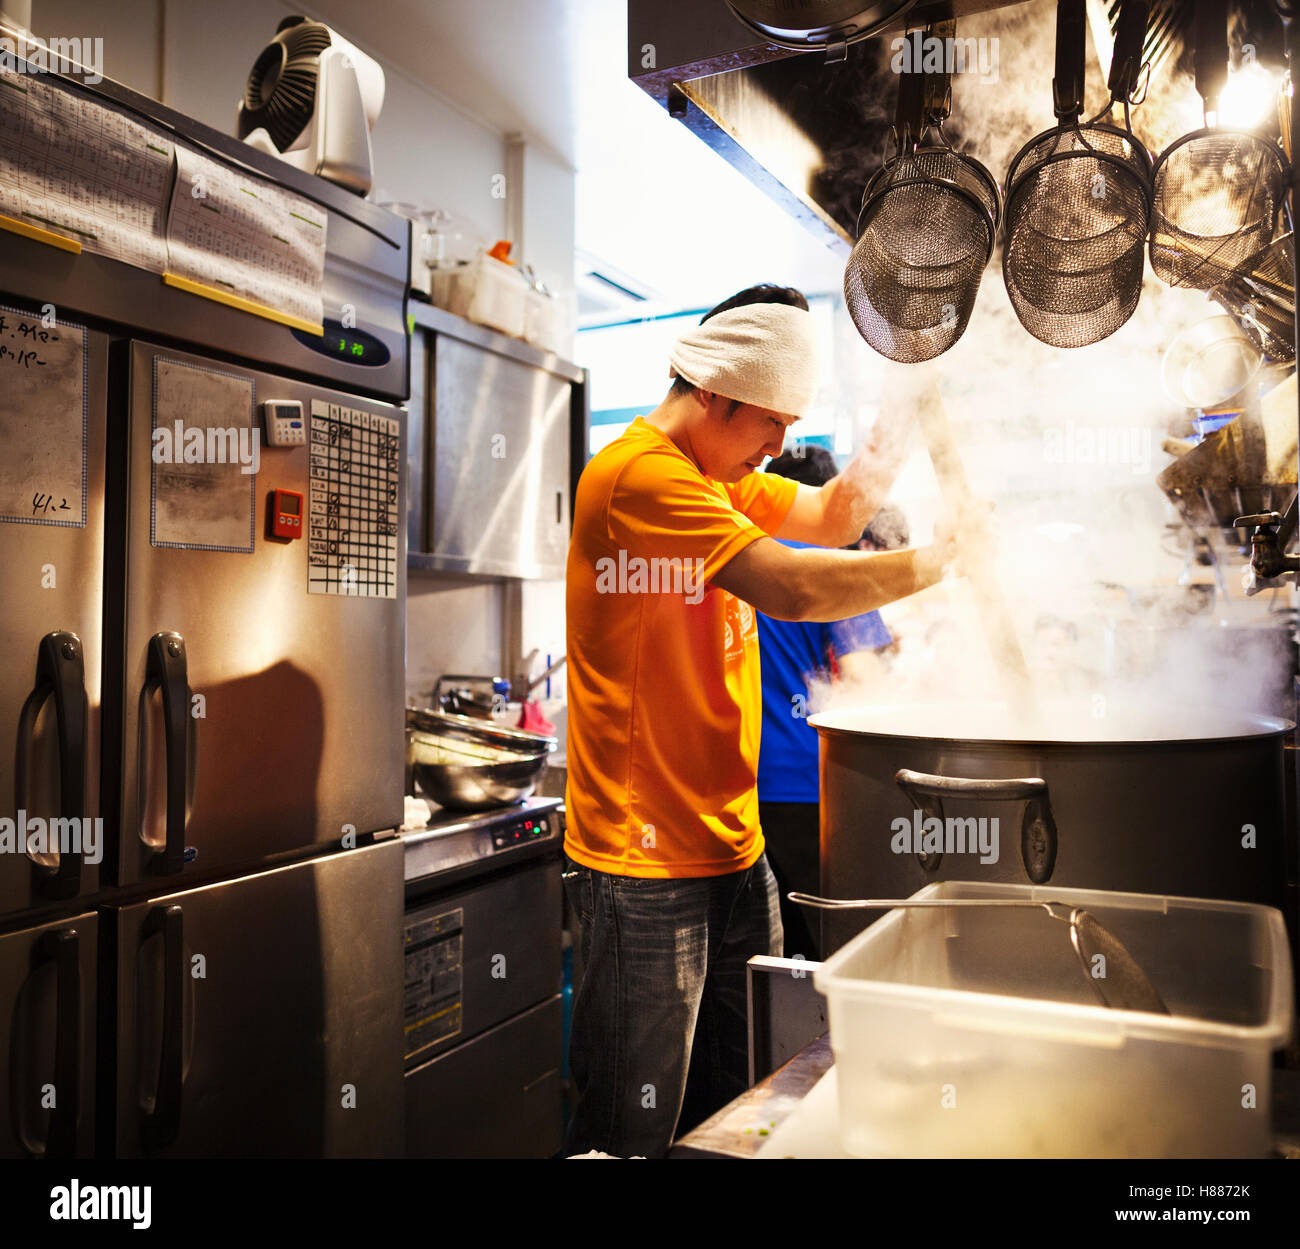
(925, 234)
(1079, 200)
(1261, 299)
(1217, 192)
(1077, 212)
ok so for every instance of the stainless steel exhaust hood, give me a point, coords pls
(808, 128)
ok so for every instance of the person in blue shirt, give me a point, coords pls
(792, 652)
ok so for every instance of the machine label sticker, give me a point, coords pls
(204, 448)
(352, 537)
(43, 420)
(433, 978)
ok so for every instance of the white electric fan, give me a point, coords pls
(312, 99)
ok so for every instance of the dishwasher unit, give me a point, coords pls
(483, 1016)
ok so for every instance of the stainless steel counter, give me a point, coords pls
(739, 1130)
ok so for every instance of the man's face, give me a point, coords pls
(731, 445)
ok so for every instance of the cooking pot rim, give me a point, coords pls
(1263, 727)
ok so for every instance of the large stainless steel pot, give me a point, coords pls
(1133, 801)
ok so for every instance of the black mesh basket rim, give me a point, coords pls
(1148, 194)
(1145, 171)
(1164, 223)
(1207, 132)
(953, 188)
(1139, 148)
(995, 192)
(992, 216)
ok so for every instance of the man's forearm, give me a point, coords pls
(816, 584)
(833, 585)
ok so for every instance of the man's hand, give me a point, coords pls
(962, 541)
(836, 514)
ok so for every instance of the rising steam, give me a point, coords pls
(1097, 568)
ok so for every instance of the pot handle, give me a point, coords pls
(1038, 838)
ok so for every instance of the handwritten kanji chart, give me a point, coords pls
(352, 543)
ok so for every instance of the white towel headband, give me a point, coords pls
(764, 354)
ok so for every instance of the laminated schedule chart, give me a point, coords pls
(81, 171)
(353, 512)
(241, 237)
(79, 175)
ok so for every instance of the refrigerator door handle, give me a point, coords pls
(62, 947)
(166, 671)
(60, 670)
(158, 1127)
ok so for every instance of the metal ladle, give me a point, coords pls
(1124, 986)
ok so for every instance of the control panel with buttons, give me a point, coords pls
(521, 831)
(467, 841)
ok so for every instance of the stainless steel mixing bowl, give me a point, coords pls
(468, 764)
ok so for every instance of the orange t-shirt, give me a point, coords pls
(665, 702)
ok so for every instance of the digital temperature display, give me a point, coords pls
(349, 343)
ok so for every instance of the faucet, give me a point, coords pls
(1273, 534)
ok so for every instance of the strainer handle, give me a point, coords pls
(1211, 55)
(1067, 85)
(1126, 60)
(938, 85)
(909, 113)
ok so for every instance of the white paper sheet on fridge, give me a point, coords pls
(42, 420)
(123, 189)
(203, 494)
(71, 166)
(229, 230)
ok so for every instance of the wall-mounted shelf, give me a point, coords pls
(439, 321)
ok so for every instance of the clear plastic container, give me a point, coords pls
(444, 288)
(487, 291)
(449, 240)
(543, 320)
(973, 1032)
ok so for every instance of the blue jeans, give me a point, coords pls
(660, 1030)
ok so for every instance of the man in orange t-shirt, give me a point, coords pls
(672, 550)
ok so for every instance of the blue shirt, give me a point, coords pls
(791, 652)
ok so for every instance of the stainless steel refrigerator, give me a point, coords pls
(207, 655)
